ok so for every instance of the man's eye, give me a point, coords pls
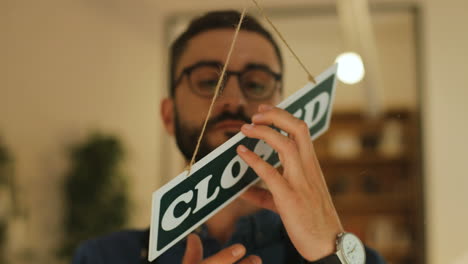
(255, 87)
(207, 85)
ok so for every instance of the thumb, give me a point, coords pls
(193, 251)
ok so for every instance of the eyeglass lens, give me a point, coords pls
(256, 84)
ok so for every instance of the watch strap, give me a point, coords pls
(331, 259)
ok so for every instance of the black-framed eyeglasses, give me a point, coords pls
(257, 82)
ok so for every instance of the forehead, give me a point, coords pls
(214, 45)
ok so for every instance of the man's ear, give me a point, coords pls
(167, 114)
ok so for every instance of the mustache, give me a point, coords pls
(239, 115)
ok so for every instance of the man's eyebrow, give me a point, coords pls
(220, 64)
(257, 66)
(208, 62)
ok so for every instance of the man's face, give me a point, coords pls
(233, 107)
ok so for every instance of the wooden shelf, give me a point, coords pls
(369, 160)
(380, 203)
(377, 197)
(396, 254)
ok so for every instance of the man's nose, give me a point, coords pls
(231, 96)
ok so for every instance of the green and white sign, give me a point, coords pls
(187, 201)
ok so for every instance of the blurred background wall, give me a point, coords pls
(444, 127)
(70, 67)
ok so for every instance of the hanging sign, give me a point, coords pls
(187, 201)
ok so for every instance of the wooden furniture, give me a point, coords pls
(373, 172)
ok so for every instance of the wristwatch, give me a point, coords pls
(349, 250)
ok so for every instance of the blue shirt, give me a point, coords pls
(262, 234)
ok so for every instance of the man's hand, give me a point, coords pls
(194, 254)
(299, 194)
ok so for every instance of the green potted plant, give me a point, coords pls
(95, 191)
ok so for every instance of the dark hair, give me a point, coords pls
(210, 21)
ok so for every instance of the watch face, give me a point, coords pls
(352, 249)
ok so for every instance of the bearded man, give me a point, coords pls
(294, 220)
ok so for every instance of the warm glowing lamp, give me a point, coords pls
(350, 68)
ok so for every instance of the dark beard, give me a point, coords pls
(187, 137)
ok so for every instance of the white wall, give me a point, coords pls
(446, 128)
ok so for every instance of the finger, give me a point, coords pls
(228, 255)
(287, 148)
(193, 251)
(260, 197)
(294, 127)
(275, 182)
(252, 259)
(275, 139)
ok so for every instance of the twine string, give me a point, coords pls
(262, 12)
(218, 85)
